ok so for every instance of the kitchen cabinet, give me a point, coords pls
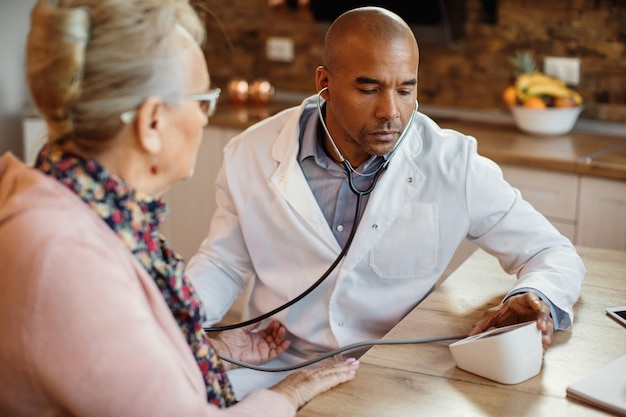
(554, 194)
(590, 211)
(192, 202)
(602, 220)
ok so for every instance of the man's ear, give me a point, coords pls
(149, 123)
(321, 80)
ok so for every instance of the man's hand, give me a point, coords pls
(519, 309)
(246, 345)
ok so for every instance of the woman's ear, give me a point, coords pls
(149, 124)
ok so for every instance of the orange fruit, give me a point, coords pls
(534, 102)
(509, 96)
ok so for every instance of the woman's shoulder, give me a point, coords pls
(27, 193)
(37, 212)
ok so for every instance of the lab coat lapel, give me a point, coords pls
(395, 189)
(291, 183)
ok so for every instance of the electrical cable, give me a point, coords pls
(352, 346)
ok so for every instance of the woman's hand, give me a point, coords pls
(300, 387)
(519, 309)
(254, 347)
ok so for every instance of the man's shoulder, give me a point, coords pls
(433, 137)
(272, 124)
(276, 123)
(261, 137)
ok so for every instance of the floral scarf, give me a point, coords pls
(135, 218)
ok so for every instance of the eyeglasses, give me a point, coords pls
(207, 102)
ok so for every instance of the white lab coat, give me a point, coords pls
(436, 192)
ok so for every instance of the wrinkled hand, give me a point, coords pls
(300, 387)
(519, 309)
(246, 345)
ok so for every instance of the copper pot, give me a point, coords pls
(238, 90)
(261, 91)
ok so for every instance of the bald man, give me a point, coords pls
(356, 185)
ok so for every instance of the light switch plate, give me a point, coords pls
(279, 49)
(565, 69)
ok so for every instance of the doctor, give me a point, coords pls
(286, 208)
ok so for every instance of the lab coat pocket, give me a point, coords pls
(408, 248)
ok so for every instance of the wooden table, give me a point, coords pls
(422, 380)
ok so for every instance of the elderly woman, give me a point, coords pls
(96, 315)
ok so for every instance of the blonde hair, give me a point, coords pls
(88, 61)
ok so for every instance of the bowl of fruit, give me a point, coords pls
(541, 104)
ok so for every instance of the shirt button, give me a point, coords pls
(340, 228)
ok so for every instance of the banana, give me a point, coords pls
(539, 84)
(525, 81)
(553, 90)
(578, 99)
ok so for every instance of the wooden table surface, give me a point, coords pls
(422, 380)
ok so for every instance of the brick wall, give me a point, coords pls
(468, 74)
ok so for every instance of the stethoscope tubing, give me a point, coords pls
(321, 279)
(346, 348)
(357, 217)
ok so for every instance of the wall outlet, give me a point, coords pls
(279, 49)
(565, 69)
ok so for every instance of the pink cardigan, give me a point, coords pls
(84, 330)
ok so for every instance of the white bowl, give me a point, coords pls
(550, 121)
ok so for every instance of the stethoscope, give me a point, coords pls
(360, 193)
(350, 172)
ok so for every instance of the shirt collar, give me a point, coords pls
(311, 147)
